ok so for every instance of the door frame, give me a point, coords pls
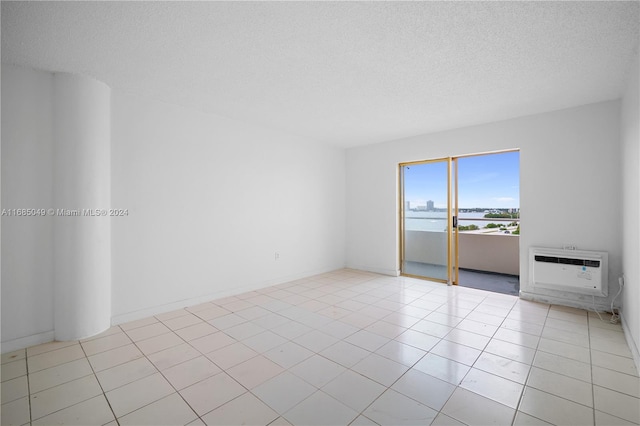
(452, 210)
(453, 250)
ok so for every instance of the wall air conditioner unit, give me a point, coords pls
(571, 271)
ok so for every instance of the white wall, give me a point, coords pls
(81, 182)
(56, 270)
(569, 187)
(631, 210)
(27, 173)
(210, 202)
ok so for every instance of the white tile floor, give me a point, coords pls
(341, 348)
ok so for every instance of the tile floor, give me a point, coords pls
(340, 348)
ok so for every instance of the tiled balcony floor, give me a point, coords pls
(340, 348)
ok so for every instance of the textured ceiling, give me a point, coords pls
(345, 73)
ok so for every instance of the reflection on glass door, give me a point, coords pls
(427, 223)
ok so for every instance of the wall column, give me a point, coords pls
(81, 190)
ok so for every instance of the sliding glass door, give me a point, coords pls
(428, 205)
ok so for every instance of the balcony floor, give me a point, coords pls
(482, 280)
(490, 281)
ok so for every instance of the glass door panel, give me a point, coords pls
(425, 219)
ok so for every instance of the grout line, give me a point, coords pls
(145, 356)
(100, 384)
(526, 380)
(26, 362)
(593, 392)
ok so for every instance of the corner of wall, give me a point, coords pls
(630, 141)
(631, 342)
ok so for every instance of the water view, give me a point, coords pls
(437, 221)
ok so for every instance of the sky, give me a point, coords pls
(487, 181)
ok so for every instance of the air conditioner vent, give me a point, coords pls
(568, 261)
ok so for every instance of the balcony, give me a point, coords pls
(488, 259)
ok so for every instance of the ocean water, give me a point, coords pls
(437, 221)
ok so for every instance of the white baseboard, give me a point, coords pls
(160, 309)
(587, 305)
(25, 342)
(633, 346)
(36, 339)
(382, 271)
